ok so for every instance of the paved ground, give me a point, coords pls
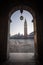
(21, 59)
(21, 45)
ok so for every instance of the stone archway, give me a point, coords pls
(34, 22)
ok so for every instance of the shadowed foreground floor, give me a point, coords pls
(20, 59)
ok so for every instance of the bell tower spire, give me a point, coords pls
(25, 28)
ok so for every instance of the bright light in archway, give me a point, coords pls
(17, 26)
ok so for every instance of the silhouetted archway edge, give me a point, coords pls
(29, 9)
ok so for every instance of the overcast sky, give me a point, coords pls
(17, 26)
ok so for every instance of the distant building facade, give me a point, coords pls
(25, 28)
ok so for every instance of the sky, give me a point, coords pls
(17, 25)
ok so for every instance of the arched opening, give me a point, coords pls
(34, 25)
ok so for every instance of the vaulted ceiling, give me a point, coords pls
(6, 4)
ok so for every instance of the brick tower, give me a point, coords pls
(25, 28)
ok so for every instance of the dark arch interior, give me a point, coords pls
(5, 9)
(18, 43)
